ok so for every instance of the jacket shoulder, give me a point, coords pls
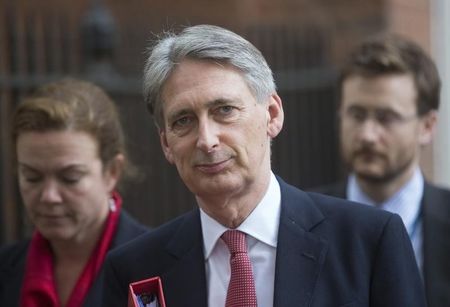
(14, 253)
(337, 189)
(156, 238)
(436, 201)
(128, 229)
(337, 213)
(12, 266)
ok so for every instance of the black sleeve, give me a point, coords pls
(396, 279)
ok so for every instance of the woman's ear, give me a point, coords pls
(113, 171)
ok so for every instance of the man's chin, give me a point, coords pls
(374, 178)
(370, 173)
(212, 185)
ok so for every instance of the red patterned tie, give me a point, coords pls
(241, 289)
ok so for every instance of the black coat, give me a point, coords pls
(13, 258)
(435, 208)
(330, 252)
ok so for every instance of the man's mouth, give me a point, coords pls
(213, 167)
(367, 154)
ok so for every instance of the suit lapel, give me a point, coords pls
(185, 283)
(300, 253)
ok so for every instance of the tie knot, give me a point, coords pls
(235, 240)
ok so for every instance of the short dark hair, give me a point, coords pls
(394, 54)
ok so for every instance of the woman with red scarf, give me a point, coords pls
(70, 156)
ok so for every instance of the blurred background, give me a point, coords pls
(304, 41)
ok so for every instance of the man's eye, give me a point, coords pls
(387, 118)
(181, 122)
(357, 115)
(226, 109)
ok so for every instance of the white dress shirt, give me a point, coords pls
(405, 202)
(261, 227)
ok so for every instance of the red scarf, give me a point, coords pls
(39, 289)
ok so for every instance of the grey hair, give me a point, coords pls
(203, 42)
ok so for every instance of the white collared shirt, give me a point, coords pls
(261, 227)
(405, 202)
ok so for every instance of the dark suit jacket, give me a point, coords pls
(330, 253)
(13, 257)
(436, 241)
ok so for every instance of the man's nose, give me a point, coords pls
(207, 135)
(50, 192)
(369, 130)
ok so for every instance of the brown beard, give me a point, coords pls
(391, 173)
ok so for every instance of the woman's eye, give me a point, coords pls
(30, 176)
(32, 179)
(70, 180)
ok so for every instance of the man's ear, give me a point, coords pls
(275, 116)
(165, 147)
(427, 127)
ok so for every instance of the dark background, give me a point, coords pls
(104, 41)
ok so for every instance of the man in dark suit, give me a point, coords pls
(389, 96)
(214, 101)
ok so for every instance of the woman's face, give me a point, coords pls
(63, 183)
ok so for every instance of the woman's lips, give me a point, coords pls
(51, 217)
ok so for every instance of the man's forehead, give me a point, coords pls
(386, 91)
(380, 79)
(191, 73)
(377, 106)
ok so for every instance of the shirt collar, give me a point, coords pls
(405, 202)
(262, 223)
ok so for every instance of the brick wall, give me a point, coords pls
(412, 19)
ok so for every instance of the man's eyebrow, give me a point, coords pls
(213, 103)
(375, 109)
(220, 102)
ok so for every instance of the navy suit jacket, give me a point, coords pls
(13, 258)
(330, 252)
(436, 243)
